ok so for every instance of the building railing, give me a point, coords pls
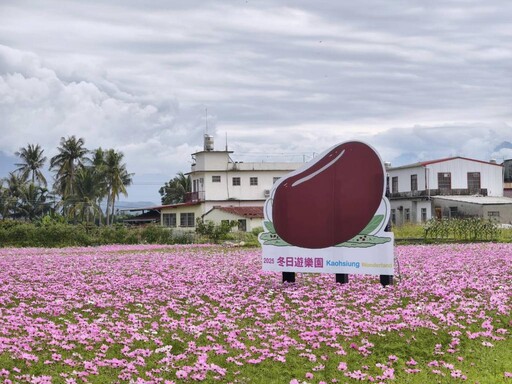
(437, 192)
(193, 197)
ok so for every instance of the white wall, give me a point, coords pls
(218, 215)
(404, 178)
(414, 207)
(219, 164)
(491, 175)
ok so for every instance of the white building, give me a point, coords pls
(440, 188)
(220, 182)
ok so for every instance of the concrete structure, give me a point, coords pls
(247, 218)
(489, 207)
(507, 178)
(416, 190)
(218, 183)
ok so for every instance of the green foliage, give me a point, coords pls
(175, 190)
(256, 231)
(214, 232)
(56, 232)
(466, 229)
(155, 234)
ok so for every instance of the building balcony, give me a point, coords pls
(436, 192)
(194, 197)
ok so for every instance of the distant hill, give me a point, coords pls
(131, 204)
(503, 145)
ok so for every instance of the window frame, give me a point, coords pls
(168, 223)
(235, 180)
(394, 184)
(185, 219)
(414, 182)
(474, 185)
(443, 179)
(253, 181)
(216, 179)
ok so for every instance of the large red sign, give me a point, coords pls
(331, 200)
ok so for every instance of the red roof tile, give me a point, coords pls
(249, 212)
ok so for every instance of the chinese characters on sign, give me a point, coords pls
(330, 216)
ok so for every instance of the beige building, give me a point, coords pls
(223, 189)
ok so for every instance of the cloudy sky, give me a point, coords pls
(282, 79)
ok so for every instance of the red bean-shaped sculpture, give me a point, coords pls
(331, 200)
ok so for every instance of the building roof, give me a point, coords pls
(247, 212)
(146, 217)
(476, 199)
(159, 207)
(425, 163)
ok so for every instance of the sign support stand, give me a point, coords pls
(387, 279)
(342, 278)
(288, 277)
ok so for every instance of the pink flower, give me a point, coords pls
(342, 366)
(181, 374)
(309, 375)
(411, 362)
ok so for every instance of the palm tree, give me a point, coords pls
(84, 202)
(32, 201)
(32, 162)
(175, 190)
(97, 163)
(117, 179)
(70, 157)
(14, 183)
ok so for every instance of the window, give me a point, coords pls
(407, 214)
(254, 181)
(169, 219)
(215, 179)
(187, 220)
(444, 181)
(474, 182)
(414, 182)
(236, 181)
(394, 184)
(242, 225)
(454, 211)
(276, 179)
(393, 216)
(423, 214)
(493, 214)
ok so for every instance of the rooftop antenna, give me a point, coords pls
(206, 120)
(226, 141)
(208, 140)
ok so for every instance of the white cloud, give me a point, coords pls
(416, 80)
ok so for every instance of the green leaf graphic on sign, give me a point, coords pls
(364, 241)
(269, 226)
(372, 225)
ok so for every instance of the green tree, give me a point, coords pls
(174, 191)
(117, 179)
(32, 203)
(71, 156)
(84, 201)
(97, 162)
(32, 163)
(11, 194)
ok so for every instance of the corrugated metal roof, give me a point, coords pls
(425, 163)
(249, 212)
(475, 199)
(159, 207)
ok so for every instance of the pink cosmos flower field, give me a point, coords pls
(172, 314)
